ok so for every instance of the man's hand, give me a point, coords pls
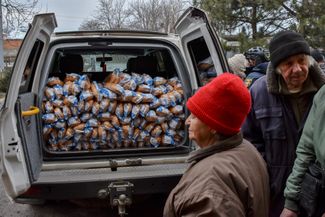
(288, 213)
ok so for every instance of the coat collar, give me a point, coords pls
(217, 147)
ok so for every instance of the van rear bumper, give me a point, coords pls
(83, 184)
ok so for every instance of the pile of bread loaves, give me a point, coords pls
(124, 111)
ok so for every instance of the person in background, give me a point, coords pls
(257, 64)
(319, 58)
(226, 176)
(237, 64)
(281, 102)
(310, 149)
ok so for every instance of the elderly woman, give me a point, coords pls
(226, 176)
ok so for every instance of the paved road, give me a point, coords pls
(151, 206)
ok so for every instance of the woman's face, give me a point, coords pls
(199, 131)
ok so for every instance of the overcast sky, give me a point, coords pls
(69, 13)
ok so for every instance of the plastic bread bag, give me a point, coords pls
(137, 98)
(155, 141)
(116, 88)
(136, 122)
(128, 96)
(92, 123)
(162, 111)
(169, 88)
(149, 127)
(179, 136)
(126, 121)
(161, 119)
(164, 100)
(127, 109)
(179, 97)
(47, 129)
(137, 78)
(164, 127)
(61, 133)
(140, 144)
(151, 116)
(143, 124)
(49, 93)
(173, 81)
(175, 123)
(66, 88)
(74, 89)
(171, 132)
(84, 82)
(155, 103)
(79, 128)
(101, 133)
(57, 103)
(86, 95)
(124, 78)
(95, 108)
(106, 116)
(54, 135)
(144, 135)
(157, 131)
(147, 79)
(95, 90)
(88, 131)
(74, 110)
(136, 133)
(160, 90)
(182, 116)
(53, 145)
(86, 116)
(73, 121)
(144, 109)
(53, 81)
(66, 112)
(108, 126)
(103, 106)
(119, 111)
(115, 121)
(88, 105)
(58, 91)
(106, 93)
(71, 77)
(147, 98)
(59, 124)
(177, 110)
(71, 101)
(78, 146)
(116, 137)
(144, 88)
(48, 107)
(49, 118)
(167, 140)
(81, 106)
(112, 106)
(94, 135)
(172, 99)
(126, 131)
(59, 114)
(130, 85)
(159, 81)
(93, 145)
(69, 133)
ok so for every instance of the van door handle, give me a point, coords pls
(32, 111)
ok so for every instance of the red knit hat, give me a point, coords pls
(222, 104)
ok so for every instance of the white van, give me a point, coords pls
(101, 114)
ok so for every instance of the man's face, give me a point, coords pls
(294, 71)
(251, 62)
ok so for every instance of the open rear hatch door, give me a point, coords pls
(21, 153)
(200, 41)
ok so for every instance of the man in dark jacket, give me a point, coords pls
(257, 72)
(281, 101)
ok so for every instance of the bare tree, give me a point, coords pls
(14, 15)
(110, 14)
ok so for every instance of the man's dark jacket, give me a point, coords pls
(272, 127)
